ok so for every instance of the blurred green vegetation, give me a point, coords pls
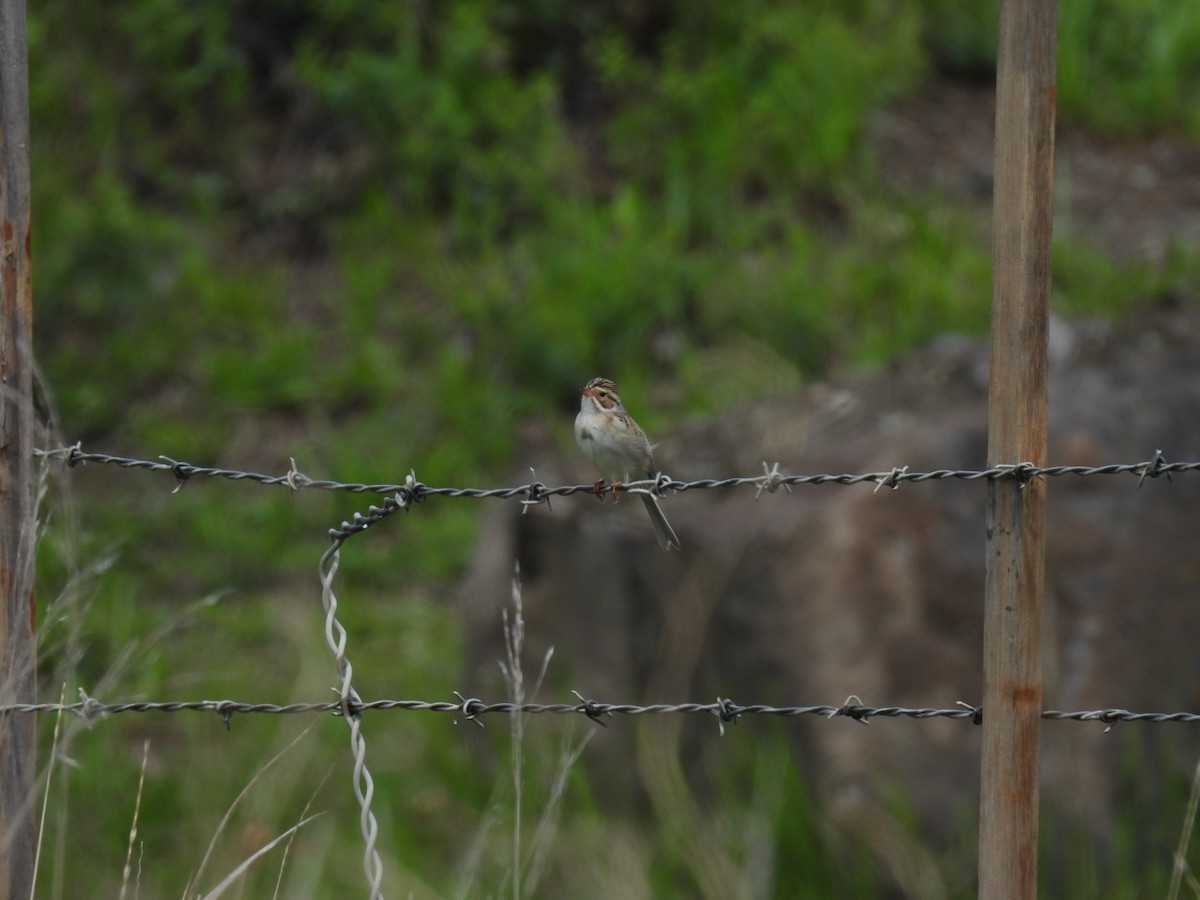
(377, 237)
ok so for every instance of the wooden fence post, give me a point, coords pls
(17, 530)
(1017, 425)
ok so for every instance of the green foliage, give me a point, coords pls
(1132, 66)
(1086, 281)
(962, 37)
(1127, 67)
(458, 132)
(1152, 790)
(739, 111)
(907, 277)
(108, 285)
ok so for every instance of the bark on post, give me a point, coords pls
(1017, 425)
(17, 655)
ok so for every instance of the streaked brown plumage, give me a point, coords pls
(618, 448)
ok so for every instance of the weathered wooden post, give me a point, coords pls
(17, 656)
(1017, 425)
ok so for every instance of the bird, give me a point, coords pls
(619, 449)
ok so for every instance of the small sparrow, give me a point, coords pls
(618, 448)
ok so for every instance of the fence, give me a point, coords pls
(396, 497)
(1023, 192)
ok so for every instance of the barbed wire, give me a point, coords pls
(472, 709)
(350, 706)
(535, 492)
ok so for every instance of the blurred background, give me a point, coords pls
(378, 238)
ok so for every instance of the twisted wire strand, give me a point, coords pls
(402, 496)
(413, 491)
(349, 705)
(472, 709)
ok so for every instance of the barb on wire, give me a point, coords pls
(397, 497)
(892, 479)
(1153, 468)
(473, 709)
(413, 491)
(771, 481)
